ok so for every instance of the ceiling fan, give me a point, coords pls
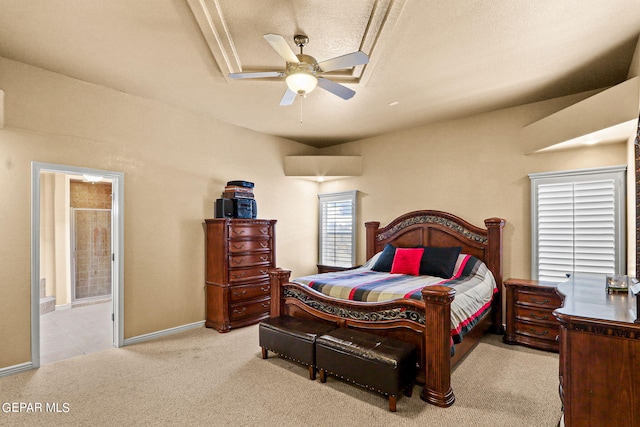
(303, 72)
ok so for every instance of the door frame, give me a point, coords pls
(117, 248)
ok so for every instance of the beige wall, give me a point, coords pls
(175, 165)
(474, 168)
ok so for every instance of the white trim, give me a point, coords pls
(163, 333)
(575, 172)
(117, 247)
(616, 173)
(350, 196)
(16, 369)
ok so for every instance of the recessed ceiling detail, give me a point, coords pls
(372, 27)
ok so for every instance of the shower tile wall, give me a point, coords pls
(94, 196)
(93, 239)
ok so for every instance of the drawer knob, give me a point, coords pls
(237, 276)
(238, 232)
(264, 288)
(237, 261)
(235, 310)
(264, 245)
(264, 258)
(238, 246)
(535, 316)
(265, 305)
(239, 294)
(533, 331)
(264, 230)
(264, 271)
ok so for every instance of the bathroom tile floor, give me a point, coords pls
(75, 331)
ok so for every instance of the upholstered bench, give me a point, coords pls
(382, 364)
(293, 339)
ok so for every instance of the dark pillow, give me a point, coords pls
(439, 262)
(407, 261)
(385, 261)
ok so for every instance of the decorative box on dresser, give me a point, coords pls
(530, 320)
(599, 354)
(239, 254)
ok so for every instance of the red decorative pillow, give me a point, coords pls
(407, 261)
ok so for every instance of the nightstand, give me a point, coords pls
(530, 321)
(332, 268)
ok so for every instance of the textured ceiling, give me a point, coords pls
(435, 59)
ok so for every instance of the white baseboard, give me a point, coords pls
(163, 333)
(10, 370)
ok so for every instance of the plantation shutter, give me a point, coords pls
(337, 229)
(577, 223)
(594, 227)
(555, 231)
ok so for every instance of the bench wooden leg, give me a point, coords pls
(409, 390)
(323, 375)
(392, 403)
(265, 353)
(312, 372)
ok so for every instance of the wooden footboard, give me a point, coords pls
(423, 324)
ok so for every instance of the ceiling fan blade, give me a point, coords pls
(344, 61)
(336, 88)
(258, 75)
(288, 98)
(282, 47)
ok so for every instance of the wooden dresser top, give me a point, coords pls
(586, 297)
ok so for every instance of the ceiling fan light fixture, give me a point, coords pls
(92, 178)
(301, 82)
(302, 71)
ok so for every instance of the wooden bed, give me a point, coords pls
(425, 324)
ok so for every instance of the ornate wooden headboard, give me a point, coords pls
(441, 229)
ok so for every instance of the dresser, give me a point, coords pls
(529, 313)
(239, 254)
(599, 354)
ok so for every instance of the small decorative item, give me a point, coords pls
(617, 283)
(635, 290)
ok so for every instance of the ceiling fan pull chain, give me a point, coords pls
(302, 97)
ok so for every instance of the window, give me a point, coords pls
(337, 224)
(578, 222)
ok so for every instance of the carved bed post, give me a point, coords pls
(277, 276)
(372, 228)
(494, 262)
(437, 342)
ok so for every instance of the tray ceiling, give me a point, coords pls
(430, 60)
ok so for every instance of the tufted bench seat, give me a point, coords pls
(382, 364)
(292, 338)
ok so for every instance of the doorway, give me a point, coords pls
(77, 270)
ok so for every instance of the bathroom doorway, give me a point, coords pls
(76, 261)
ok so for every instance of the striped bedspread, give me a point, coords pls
(472, 280)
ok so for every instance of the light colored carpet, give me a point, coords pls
(202, 377)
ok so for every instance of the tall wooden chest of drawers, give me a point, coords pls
(530, 320)
(239, 254)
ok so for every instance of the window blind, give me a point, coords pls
(578, 225)
(337, 229)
